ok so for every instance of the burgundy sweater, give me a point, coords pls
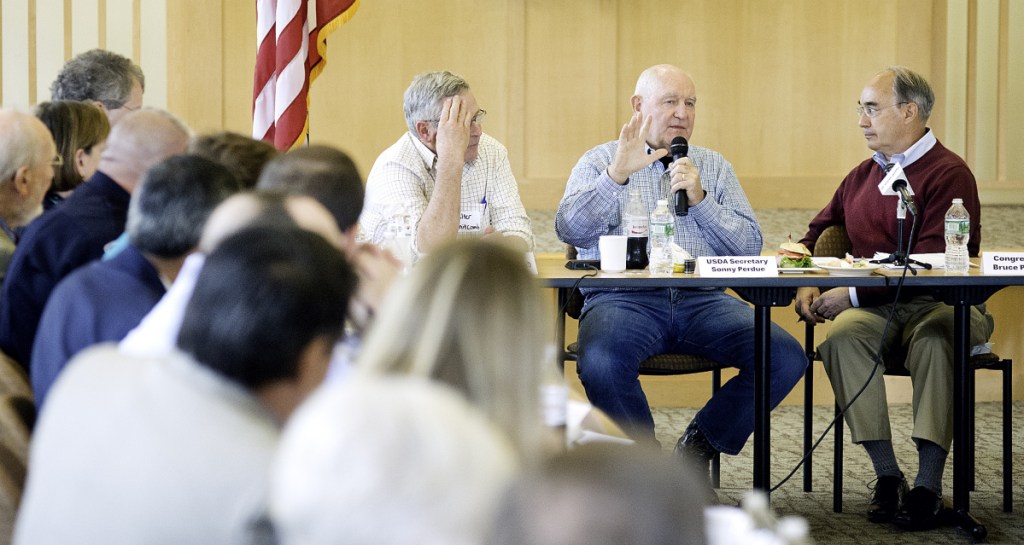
(937, 178)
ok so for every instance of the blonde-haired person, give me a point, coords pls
(80, 130)
(470, 315)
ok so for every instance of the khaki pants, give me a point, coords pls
(922, 327)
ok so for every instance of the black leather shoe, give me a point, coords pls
(887, 498)
(696, 451)
(921, 510)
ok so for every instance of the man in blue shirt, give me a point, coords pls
(104, 300)
(75, 233)
(620, 328)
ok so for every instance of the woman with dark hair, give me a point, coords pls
(80, 131)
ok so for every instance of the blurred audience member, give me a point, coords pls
(345, 472)
(441, 322)
(80, 131)
(330, 176)
(178, 449)
(158, 331)
(27, 156)
(110, 81)
(603, 494)
(104, 300)
(75, 233)
(245, 157)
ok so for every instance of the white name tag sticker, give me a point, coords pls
(471, 219)
(731, 267)
(1002, 262)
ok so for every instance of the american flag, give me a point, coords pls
(291, 37)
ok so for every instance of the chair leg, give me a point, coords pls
(837, 467)
(808, 420)
(716, 462)
(1007, 436)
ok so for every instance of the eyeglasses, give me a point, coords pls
(477, 119)
(872, 111)
(58, 161)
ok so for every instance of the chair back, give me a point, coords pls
(833, 242)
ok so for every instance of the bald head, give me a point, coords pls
(139, 141)
(244, 209)
(27, 152)
(652, 78)
(668, 97)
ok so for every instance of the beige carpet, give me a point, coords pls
(851, 527)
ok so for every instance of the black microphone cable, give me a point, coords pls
(874, 369)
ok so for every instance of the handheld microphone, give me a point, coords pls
(679, 148)
(900, 186)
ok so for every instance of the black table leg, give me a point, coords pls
(762, 397)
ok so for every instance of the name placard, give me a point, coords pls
(729, 267)
(1002, 262)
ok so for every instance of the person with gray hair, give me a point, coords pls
(111, 81)
(893, 115)
(104, 300)
(27, 155)
(76, 232)
(450, 178)
(344, 472)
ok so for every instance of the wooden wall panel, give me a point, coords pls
(776, 80)
(357, 102)
(570, 87)
(195, 65)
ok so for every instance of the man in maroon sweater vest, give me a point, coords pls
(893, 115)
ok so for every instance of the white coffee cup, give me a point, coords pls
(613, 253)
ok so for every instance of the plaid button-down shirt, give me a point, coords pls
(404, 174)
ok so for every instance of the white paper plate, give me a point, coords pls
(799, 270)
(852, 271)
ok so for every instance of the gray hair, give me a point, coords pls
(423, 98)
(909, 86)
(169, 209)
(100, 75)
(19, 145)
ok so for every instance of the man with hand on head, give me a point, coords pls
(620, 328)
(893, 114)
(451, 178)
(27, 155)
(76, 232)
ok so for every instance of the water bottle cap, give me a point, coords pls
(662, 202)
(958, 201)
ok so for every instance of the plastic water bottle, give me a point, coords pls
(398, 237)
(663, 227)
(635, 227)
(958, 232)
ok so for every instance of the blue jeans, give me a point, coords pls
(619, 329)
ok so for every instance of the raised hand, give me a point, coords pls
(453, 129)
(631, 154)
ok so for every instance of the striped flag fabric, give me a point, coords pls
(291, 52)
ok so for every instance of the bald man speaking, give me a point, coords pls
(75, 233)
